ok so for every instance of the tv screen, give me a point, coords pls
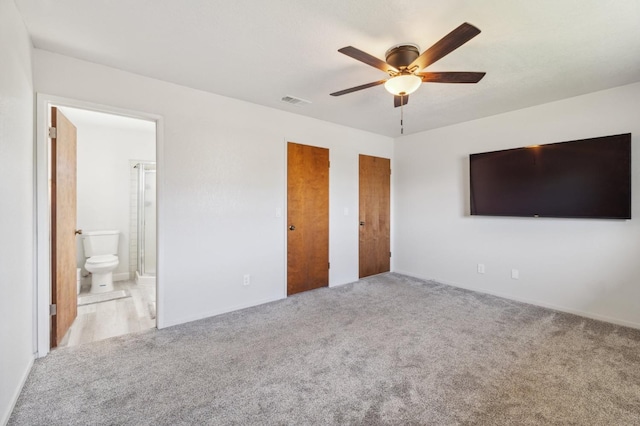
(588, 178)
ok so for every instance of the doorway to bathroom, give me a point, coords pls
(114, 255)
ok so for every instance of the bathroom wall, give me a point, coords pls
(16, 207)
(222, 185)
(106, 145)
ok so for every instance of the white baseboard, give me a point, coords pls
(534, 302)
(14, 399)
(121, 276)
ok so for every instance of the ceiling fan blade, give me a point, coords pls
(361, 56)
(355, 89)
(400, 100)
(451, 77)
(446, 45)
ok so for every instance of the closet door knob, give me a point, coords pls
(292, 228)
(78, 231)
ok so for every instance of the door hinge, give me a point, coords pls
(329, 164)
(53, 309)
(329, 265)
(389, 254)
(53, 132)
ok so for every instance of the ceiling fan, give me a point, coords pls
(404, 63)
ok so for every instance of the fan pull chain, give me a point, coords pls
(402, 114)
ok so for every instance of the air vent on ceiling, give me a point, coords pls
(295, 101)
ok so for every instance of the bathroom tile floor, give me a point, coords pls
(98, 321)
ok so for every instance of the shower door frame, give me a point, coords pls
(141, 249)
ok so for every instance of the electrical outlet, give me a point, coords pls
(481, 268)
(515, 274)
(246, 280)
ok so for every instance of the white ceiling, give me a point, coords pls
(259, 51)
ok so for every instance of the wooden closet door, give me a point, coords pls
(374, 244)
(307, 218)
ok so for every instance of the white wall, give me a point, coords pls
(16, 207)
(590, 267)
(220, 179)
(103, 183)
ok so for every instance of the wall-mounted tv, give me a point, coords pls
(588, 178)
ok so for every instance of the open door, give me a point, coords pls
(63, 225)
(374, 244)
(308, 218)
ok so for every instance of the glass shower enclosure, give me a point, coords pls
(146, 268)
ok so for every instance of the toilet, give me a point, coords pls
(101, 250)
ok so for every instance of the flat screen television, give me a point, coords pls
(588, 178)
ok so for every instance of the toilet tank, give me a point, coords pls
(98, 243)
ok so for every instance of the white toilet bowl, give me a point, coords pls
(101, 268)
(101, 249)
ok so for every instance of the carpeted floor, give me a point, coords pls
(385, 350)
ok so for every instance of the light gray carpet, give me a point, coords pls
(385, 350)
(88, 299)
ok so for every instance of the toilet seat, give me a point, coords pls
(102, 260)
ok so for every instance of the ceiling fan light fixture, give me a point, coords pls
(403, 85)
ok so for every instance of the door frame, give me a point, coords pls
(42, 264)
